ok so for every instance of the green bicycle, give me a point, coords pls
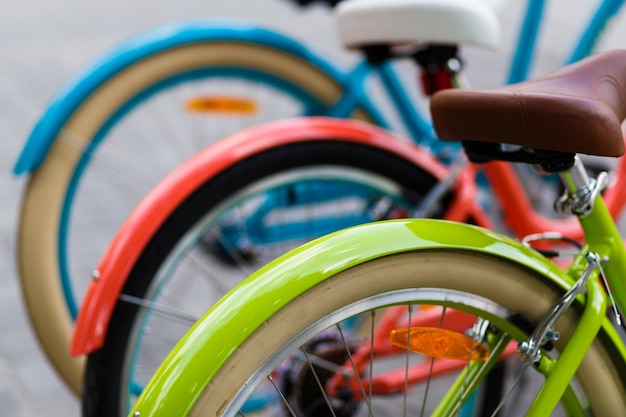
(491, 300)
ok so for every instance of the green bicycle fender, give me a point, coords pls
(201, 352)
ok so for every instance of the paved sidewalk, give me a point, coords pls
(43, 43)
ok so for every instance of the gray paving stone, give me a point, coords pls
(43, 43)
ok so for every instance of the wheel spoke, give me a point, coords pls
(319, 383)
(163, 310)
(432, 364)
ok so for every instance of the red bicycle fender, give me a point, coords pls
(115, 265)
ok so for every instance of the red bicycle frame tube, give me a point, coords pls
(129, 242)
(520, 216)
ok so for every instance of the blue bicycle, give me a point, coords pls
(91, 154)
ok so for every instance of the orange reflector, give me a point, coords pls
(221, 104)
(440, 343)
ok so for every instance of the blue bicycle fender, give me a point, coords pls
(202, 351)
(72, 94)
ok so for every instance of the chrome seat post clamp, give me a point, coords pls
(581, 191)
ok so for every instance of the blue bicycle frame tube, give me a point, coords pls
(527, 42)
(416, 125)
(355, 95)
(587, 42)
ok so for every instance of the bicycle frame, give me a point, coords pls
(285, 278)
(518, 211)
(603, 238)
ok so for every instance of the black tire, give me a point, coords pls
(106, 379)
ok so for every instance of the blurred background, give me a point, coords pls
(43, 43)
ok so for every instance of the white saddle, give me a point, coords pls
(399, 22)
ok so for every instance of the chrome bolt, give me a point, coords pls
(95, 275)
(552, 335)
(523, 349)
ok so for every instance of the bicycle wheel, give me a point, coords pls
(121, 140)
(308, 344)
(233, 224)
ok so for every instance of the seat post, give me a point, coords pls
(581, 191)
(576, 178)
(439, 66)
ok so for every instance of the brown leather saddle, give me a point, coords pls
(577, 109)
